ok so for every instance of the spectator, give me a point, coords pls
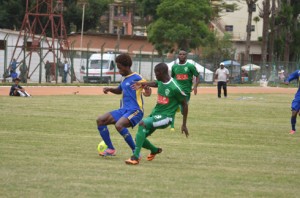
(47, 71)
(66, 71)
(23, 72)
(13, 68)
(17, 90)
(60, 68)
(244, 76)
(222, 76)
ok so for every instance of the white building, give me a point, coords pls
(235, 22)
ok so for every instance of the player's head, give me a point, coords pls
(161, 71)
(182, 55)
(17, 80)
(222, 65)
(124, 63)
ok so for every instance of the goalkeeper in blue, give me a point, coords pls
(131, 111)
(296, 102)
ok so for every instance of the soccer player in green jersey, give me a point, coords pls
(184, 72)
(169, 96)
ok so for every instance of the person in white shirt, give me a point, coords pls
(66, 71)
(222, 76)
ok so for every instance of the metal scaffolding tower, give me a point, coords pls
(43, 32)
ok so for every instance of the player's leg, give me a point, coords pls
(128, 119)
(21, 93)
(225, 89)
(146, 127)
(219, 89)
(102, 122)
(180, 108)
(295, 109)
(121, 127)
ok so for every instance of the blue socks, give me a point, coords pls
(293, 122)
(104, 133)
(128, 138)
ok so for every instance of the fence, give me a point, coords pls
(143, 64)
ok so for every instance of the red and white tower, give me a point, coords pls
(42, 35)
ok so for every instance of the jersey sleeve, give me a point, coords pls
(179, 94)
(293, 76)
(172, 72)
(194, 70)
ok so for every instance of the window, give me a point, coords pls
(254, 8)
(2, 44)
(229, 28)
(112, 65)
(96, 64)
(252, 28)
(230, 8)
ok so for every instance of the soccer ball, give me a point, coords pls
(101, 147)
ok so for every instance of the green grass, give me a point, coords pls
(238, 147)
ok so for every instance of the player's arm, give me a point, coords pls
(196, 83)
(185, 110)
(227, 76)
(292, 76)
(147, 91)
(143, 84)
(114, 90)
(216, 74)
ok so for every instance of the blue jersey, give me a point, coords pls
(131, 99)
(295, 75)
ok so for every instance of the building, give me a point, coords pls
(234, 21)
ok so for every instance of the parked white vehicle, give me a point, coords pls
(101, 68)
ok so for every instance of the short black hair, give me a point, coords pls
(124, 59)
(162, 67)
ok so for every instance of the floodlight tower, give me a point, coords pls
(42, 34)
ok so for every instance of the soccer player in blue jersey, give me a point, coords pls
(296, 102)
(131, 110)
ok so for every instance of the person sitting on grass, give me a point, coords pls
(17, 90)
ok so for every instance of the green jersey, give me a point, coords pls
(183, 73)
(169, 96)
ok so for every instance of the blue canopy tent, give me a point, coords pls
(231, 62)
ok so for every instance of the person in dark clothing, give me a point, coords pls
(18, 90)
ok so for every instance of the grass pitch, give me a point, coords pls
(238, 147)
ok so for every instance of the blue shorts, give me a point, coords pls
(134, 116)
(296, 105)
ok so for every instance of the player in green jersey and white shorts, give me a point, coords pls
(184, 73)
(169, 96)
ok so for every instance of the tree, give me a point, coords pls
(250, 5)
(218, 49)
(12, 13)
(94, 9)
(181, 24)
(149, 8)
(265, 14)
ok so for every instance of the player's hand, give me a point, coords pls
(195, 90)
(106, 90)
(185, 130)
(136, 85)
(147, 92)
